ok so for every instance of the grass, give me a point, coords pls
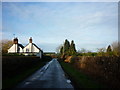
(11, 82)
(79, 79)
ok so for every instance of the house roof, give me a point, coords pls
(36, 46)
(20, 45)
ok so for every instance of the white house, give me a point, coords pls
(29, 49)
(16, 47)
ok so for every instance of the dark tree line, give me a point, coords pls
(68, 48)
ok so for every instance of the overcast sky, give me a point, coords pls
(90, 24)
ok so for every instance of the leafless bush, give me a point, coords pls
(104, 68)
(5, 45)
(116, 48)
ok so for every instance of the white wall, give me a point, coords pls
(31, 48)
(21, 50)
(27, 47)
(13, 49)
(35, 49)
(39, 54)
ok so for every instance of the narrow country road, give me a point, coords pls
(49, 76)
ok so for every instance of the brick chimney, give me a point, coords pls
(15, 41)
(30, 40)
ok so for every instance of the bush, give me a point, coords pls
(12, 66)
(105, 67)
(16, 68)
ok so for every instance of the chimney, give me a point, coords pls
(15, 41)
(30, 40)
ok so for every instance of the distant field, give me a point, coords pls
(17, 68)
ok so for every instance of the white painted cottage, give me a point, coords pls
(16, 47)
(29, 49)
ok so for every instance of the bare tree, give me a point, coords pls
(115, 45)
(83, 50)
(6, 44)
(58, 48)
(101, 51)
(116, 48)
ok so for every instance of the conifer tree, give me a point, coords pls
(72, 49)
(61, 50)
(66, 47)
(109, 49)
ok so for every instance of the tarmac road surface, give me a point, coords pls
(49, 76)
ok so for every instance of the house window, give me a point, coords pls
(27, 50)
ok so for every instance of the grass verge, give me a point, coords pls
(79, 79)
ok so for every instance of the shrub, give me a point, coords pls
(105, 67)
